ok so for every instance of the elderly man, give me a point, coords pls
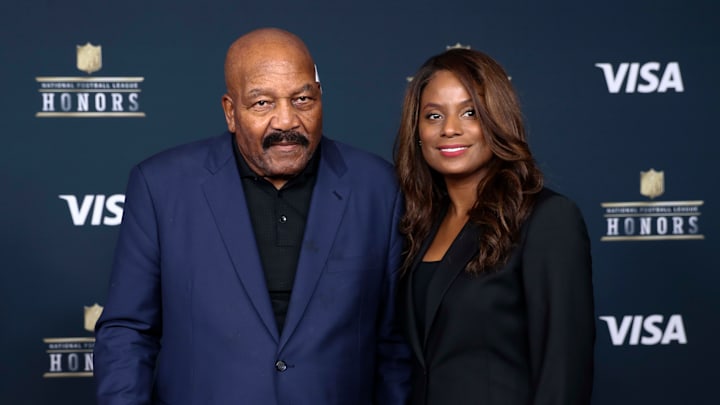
(257, 267)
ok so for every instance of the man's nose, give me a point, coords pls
(285, 117)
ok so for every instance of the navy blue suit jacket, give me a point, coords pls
(188, 318)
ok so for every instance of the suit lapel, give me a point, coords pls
(226, 199)
(327, 207)
(463, 248)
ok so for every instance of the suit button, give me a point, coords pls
(280, 366)
(282, 219)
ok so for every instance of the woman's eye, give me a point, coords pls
(433, 116)
(469, 113)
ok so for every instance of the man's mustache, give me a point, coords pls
(285, 137)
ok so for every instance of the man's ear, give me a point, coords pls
(229, 110)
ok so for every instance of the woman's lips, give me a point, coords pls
(452, 150)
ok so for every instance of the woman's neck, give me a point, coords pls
(462, 195)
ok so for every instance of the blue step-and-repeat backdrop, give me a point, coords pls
(621, 102)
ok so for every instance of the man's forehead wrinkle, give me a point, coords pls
(267, 74)
(261, 69)
(253, 92)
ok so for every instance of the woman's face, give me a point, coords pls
(449, 128)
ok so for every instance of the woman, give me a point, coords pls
(496, 291)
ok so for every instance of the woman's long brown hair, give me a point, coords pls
(505, 196)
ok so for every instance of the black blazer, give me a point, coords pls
(521, 334)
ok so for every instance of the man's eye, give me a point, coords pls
(261, 105)
(304, 102)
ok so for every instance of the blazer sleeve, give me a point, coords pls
(392, 385)
(557, 277)
(128, 331)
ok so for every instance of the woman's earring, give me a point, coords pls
(419, 143)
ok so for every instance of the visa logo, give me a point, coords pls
(106, 210)
(647, 77)
(646, 330)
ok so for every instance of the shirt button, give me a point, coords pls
(280, 366)
(282, 219)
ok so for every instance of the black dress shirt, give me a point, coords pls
(278, 218)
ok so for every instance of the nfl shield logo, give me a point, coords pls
(652, 183)
(92, 314)
(89, 58)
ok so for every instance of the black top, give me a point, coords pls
(421, 280)
(278, 218)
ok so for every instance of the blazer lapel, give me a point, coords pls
(327, 207)
(226, 199)
(410, 319)
(463, 248)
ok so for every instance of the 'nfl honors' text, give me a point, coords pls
(88, 97)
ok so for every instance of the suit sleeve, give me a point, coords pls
(128, 332)
(557, 279)
(393, 355)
